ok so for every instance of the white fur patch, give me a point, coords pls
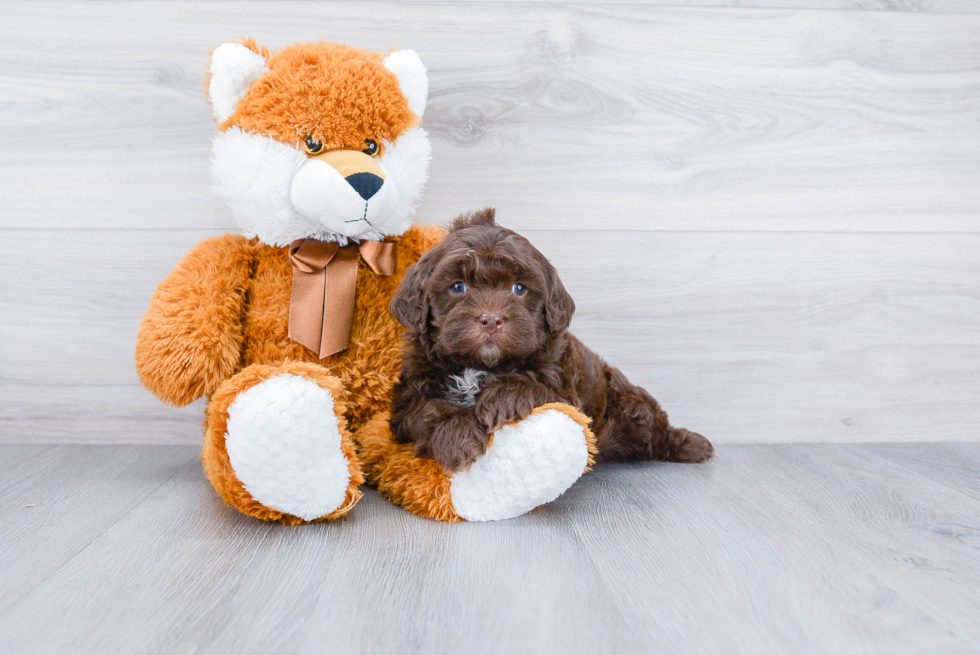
(464, 388)
(284, 445)
(254, 175)
(412, 79)
(528, 464)
(406, 163)
(319, 192)
(233, 69)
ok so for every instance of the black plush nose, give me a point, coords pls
(366, 184)
(491, 322)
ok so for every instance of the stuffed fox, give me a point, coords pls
(285, 328)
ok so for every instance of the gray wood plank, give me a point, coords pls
(956, 465)
(803, 549)
(95, 413)
(188, 570)
(619, 116)
(58, 503)
(521, 586)
(767, 549)
(747, 337)
(16, 456)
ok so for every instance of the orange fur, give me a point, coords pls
(418, 485)
(190, 339)
(224, 310)
(217, 325)
(255, 47)
(340, 95)
(214, 455)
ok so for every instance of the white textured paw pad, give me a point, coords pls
(285, 446)
(528, 464)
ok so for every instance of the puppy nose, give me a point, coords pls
(491, 322)
(366, 184)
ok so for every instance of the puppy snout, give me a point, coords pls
(366, 184)
(491, 322)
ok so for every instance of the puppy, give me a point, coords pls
(487, 342)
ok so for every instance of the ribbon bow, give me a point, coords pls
(324, 284)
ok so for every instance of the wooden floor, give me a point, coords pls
(767, 549)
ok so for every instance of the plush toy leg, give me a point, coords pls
(528, 463)
(276, 445)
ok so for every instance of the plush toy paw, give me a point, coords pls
(283, 452)
(528, 464)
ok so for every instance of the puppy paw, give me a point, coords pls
(506, 400)
(689, 447)
(455, 443)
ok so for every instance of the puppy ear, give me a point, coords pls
(558, 303)
(410, 305)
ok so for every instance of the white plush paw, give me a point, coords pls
(284, 443)
(527, 465)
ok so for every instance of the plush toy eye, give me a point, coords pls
(457, 289)
(519, 289)
(313, 146)
(372, 147)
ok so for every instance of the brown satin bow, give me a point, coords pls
(324, 283)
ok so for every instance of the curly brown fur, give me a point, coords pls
(488, 342)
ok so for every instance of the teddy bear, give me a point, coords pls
(285, 328)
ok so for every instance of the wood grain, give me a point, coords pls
(743, 336)
(767, 549)
(954, 465)
(55, 504)
(754, 207)
(815, 545)
(594, 116)
(918, 6)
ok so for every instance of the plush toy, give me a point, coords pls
(286, 328)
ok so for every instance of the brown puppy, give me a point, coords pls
(488, 342)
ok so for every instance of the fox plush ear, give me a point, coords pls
(233, 69)
(414, 83)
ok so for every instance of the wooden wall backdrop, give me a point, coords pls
(768, 212)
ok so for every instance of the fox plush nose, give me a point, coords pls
(491, 322)
(361, 171)
(366, 184)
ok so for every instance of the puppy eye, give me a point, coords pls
(519, 289)
(457, 289)
(313, 146)
(372, 147)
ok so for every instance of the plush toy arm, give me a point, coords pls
(190, 338)
(529, 463)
